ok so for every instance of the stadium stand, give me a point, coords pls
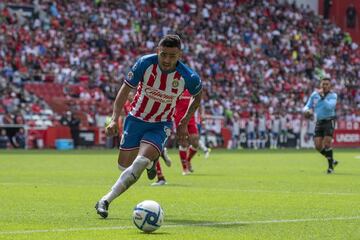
(253, 57)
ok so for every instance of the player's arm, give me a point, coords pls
(121, 97)
(131, 81)
(193, 105)
(182, 132)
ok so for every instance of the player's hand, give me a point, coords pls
(111, 129)
(182, 134)
(308, 114)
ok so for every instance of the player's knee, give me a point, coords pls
(319, 148)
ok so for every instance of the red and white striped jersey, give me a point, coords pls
(158, 91)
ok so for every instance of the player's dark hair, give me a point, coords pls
(170, 40)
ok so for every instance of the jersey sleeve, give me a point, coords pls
(310, 103)
(193, 84)
(136, 73)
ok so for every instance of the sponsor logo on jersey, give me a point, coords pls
(158, 95)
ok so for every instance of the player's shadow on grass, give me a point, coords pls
(156, 233)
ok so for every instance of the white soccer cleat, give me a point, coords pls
(186, 172)
(159, 183)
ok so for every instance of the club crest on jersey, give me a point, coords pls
(175, 83)
(167, 131)
(130, 75)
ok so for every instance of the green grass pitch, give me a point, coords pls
(283, 194)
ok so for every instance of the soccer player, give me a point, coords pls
(323, 103)
(188, 149)
(160, 79)
(199, 120)
(250, 129)
(296, 128)
(261, 127)
(275, 129)
(283, 130)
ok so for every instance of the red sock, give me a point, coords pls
(159, 171)
(191, 153)
(182, 154)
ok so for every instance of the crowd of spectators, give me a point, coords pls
(253, 56)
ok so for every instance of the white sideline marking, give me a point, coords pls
(357, 157)
(184, 225)
(290, 192)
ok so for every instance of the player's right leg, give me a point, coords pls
(128, 160)
(145, 159)
(184, 163)
(194, 145)
(322, 142)
(125, 160)
(319, 146)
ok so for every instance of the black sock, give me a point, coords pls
(329, 156)
(323, 152)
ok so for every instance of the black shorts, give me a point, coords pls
(325, 128)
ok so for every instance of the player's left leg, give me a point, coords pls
(160, 176)
(165, 157)
(328, 132)
(156, 170)
(193, 141)
(194, 144)
(328, 153)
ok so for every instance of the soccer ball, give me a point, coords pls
(148, 216)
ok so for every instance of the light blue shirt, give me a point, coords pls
(323, 108)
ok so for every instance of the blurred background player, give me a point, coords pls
(275, 129)
(4, 139)
(202, 144)
(283, 129)
(261, 127)
(296, 128)
(250, 129)
(323, 103)
(188, 149)
(235, 130)
(160, 79)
